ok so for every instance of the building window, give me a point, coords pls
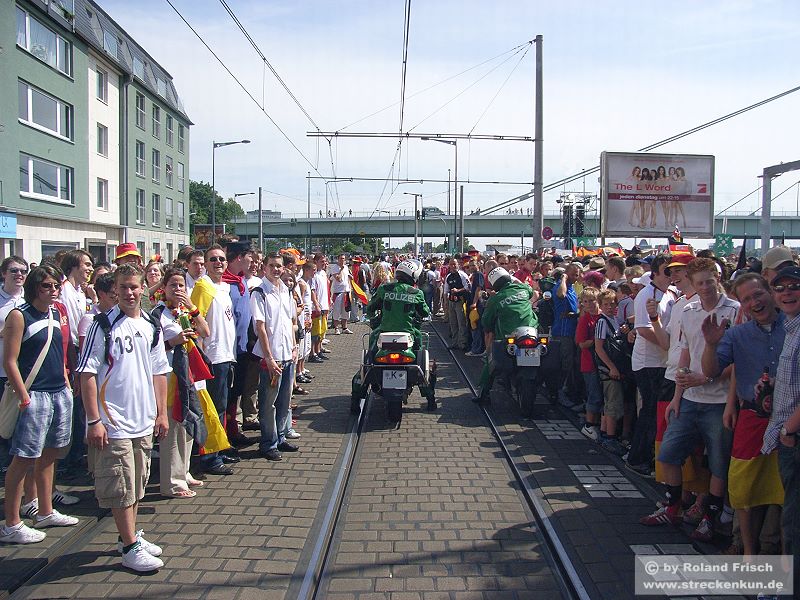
(140, 207)
(168, 170)
(181, 179)
(161, 87)
(181, 138)
(138, 68)
(156, 210)
(169, 252)
(45, 180)
(140, 112)
(156, 121)
(140, 163)
(156, 166)
(102, 86)
(102, 194)
(157, 250)
(181, 209)
(102, 140)
(170, 130)
(44, 44)
(45, 112)
(110, 43)
(140, 248)
(168, 209)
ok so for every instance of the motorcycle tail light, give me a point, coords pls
(394, 358)
(527, 342)
(510, 340)
(543, 341)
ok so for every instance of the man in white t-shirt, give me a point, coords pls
(77, 268)
(195, 269)
(340, 295)
(274, 316)
(321, 301)
(212, 297)
(123, 370)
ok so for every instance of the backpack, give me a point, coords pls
(618, 348)
(106, 325)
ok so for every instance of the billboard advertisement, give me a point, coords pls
(652, 193)
(202, 234)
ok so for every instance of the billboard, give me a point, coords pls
(652, 193)
(202, 234)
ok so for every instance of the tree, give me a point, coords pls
(200, 194)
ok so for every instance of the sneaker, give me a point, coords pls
(704, 531)
(314, 359)
(694, 515)
(54, 519)
(641, 470)
(471, 353)
(287, 447)
(323, 357)
(139, 559)
(612, 445)
(307, 373)
(29, 510)
(149, 547)
(60, 497)
(590, 431)
(20, 534)
(347, 330)
(293, 435)
(251, 426)
(326, 341)
(273, 454)
(666, 515)
(324, 351)
(219, 469)
(337, 331)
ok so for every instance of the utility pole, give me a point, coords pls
(461, 209)
(308, 216)
(448, 193)
(766, 198)
(260, 223)
(416, 220)
(538, 203)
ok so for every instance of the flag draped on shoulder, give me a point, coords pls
(361, 296)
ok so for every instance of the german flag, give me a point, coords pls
(361, 296)
(753, 478)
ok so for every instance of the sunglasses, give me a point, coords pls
(50, 286)
(792, 287)
(16, 271)
(217, 259)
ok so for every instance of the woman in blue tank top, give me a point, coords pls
(45, 420)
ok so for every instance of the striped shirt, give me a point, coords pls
(786, 396)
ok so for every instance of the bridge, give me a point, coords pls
(786, 224)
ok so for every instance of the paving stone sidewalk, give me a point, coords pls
(244, 536)
(433, 511)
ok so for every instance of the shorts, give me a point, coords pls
(697, 421)
(319, 325)
(45, 423)
(614, 395)
(121, 471)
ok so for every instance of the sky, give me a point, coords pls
(617, 76)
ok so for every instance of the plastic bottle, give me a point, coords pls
(763, 401)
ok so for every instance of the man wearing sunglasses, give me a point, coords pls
(784, 425)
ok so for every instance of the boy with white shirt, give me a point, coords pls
(123, 370)
(340, 293)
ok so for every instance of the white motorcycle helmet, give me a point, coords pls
(408, 271)
(498, 278)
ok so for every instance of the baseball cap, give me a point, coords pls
(787, 273)
(127, 249)
(775, 256)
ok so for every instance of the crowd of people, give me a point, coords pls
(683, 365)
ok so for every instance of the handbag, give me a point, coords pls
(9, 404)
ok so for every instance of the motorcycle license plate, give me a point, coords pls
(395, 380)
(527, 357)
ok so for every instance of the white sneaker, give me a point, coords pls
(326, 341)
(337, 331)
(293, 435)
(20, 534)
(54, 519)
(151, 548)
(29, 510)
(139, 559)
(347, 330)
(64, 498)
(590, 431)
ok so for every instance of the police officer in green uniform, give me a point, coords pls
(402, 307)
(510, 307)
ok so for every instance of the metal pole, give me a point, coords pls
(260, 223)
(448, 194)
(766, 202)
(416, 225)
(455, 200)
(390, 231)
(538, 202)
(461, 208)
(213, 196)
(308, 216)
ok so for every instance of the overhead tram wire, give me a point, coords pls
(500, 89)
(745, 197)
(771, 200)
(241, 85)
(560, 182)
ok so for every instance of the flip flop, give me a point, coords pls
(195, 483)
(181, 494)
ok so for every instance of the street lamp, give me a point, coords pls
(388, 212)
(416, 220)
(214, 146)
(454, 144)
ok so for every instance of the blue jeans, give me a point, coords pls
(790, 519)
(594, 392)
(274, 415)
(478, 342)
(218, 390)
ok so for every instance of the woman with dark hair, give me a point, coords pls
(45, 420)
(181, 323)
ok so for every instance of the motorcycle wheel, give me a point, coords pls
(394, 407)
(527, 396)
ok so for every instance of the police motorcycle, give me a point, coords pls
(395, 356)
(518, 347)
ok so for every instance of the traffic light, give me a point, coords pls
(418, 215)
(424, 213)
(580, 216)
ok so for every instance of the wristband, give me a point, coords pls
(95, 422)
(194, 313)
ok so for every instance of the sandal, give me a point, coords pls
(181, 494)
(300, 391)
(195, 483)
